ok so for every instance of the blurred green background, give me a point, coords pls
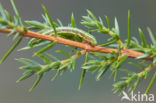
(64, 88)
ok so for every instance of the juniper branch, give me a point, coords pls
(31, 34)
(98, 58)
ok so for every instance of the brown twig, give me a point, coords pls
(89, 48)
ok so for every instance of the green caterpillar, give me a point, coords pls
(74, 34)
(68, 33)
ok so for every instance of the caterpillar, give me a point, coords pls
(75, 34)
